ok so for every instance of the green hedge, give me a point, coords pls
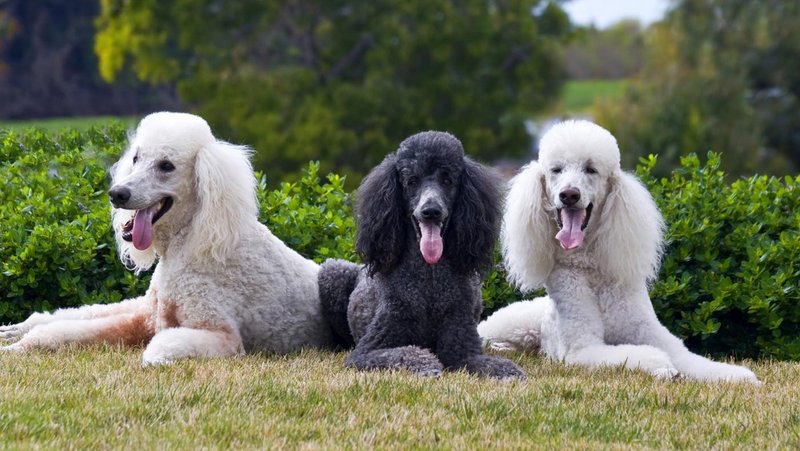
(728, 284)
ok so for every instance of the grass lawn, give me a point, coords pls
(102, 397)
(57, 124)
(579, 95)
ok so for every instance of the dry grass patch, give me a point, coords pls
(102, 397)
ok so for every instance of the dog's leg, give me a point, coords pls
(382, 347)
(16, 331)
(337, 279)
(458, 346)
(577, 334)
(517, 327)
(176, 343)
(130, 329)
(644, 328)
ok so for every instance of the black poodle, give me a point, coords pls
(428, 220)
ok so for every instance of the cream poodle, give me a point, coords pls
(224, 285)
(591, 234)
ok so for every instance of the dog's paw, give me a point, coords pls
(16, 347)
(423, 362)
(735, 373)
(699, 368)
(12, 332)
(430, 372)
(667, 373)
(508, 370)
(150, 362)
(501, 346)
(494, 366)
(152, 358)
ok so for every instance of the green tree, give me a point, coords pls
(345, 81)
(720, 75)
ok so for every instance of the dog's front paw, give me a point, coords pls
(16, 347)
(700, 368)
(422, 361)
(494, 366)
(11, 332)
(14, 332)
(501, 346)
(666, 373)
(735, 373)
(154, 358)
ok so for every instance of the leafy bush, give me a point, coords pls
(728, 282)
(313, 218)
(56, 248)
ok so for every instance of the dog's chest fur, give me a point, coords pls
(436, 294)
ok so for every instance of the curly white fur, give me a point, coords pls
(223, 285)
(598, 311)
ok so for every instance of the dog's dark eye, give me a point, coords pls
(135, 159)
(411, 181)
(590, 170)
(446, 180)
(166, 166)
(556, 170)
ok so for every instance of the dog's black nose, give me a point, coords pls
(570, 196)
(119, 195)
(431, 212)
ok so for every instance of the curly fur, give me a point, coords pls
(223, 284)
(598, 311)
(404, 309)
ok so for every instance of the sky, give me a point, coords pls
(603, 13)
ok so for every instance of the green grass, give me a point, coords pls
(102, 397)
(57, 124)
(580, 95)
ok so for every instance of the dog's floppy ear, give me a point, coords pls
(630, 232)
(382, 228)
(528, 233)
(225, 187)
(471, 232)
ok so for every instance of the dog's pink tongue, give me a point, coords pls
(570, 236)
(430, 244)
(142, 233)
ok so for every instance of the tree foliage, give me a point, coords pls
(345, 81)
(721, 75)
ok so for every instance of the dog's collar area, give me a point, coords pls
(163, 206)
(585, 222)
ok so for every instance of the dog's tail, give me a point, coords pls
(337, 279)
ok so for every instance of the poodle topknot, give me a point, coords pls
(427, 223)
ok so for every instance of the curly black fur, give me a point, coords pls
(404, 310)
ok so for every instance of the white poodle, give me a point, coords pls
(224, 285)
(591, 234)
